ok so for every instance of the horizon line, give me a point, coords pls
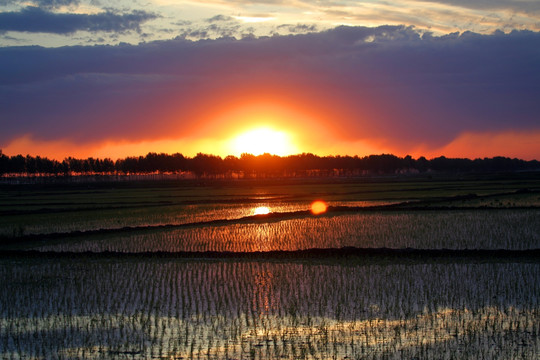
(266, 154)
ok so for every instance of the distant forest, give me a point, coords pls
(250, 166)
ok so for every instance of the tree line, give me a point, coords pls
(247, 165)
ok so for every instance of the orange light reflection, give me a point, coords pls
(318, 207)
(261, 210)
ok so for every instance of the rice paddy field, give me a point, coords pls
(392, 268)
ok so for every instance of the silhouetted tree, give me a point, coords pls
(265, 165)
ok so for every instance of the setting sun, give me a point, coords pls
(263, 140)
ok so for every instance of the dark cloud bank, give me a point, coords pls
(47, 4)
(381, 82)
(38, 20)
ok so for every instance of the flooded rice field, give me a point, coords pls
(381, 270)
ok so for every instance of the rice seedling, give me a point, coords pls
(501, 229)
(152, 308)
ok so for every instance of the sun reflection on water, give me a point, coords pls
(261, 210)
(318, 207)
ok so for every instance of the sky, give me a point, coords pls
(96, 78)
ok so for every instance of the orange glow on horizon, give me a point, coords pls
(286, 135)
(263, 140)
(524, 145)
(284, 120)
(285, 113)
(318, 207)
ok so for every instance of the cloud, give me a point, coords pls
(54, 4)
(34, 19)
(218, 26)
(298, 28)
(220, 18)
(517, 5)
(523, 145)
(389, 84)
(45, 4)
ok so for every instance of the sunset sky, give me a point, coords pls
(100, 78)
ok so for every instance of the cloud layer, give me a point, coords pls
(55, 22)
(390, 84)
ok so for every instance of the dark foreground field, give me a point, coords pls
(396, 268)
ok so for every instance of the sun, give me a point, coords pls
(263, 140)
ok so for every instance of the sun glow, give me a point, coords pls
(263, 140)
(253, 19)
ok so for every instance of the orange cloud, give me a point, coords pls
(61, 149)
(519, 144)
(52, 149)
(523, 145)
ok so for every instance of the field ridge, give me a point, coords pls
(369, 254)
